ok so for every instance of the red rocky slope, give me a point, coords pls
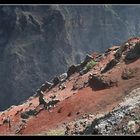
(79, 92)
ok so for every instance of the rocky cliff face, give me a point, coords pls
(38, 42)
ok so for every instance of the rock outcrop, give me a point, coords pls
(110, 65)
(99, 82)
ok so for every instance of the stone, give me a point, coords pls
(62, 86)
(99, 82)
(72, 69)
(99, 57)
(46, 86)
(109, 65)
(120, 51)
(52, 103)
(56, 81)
(87, 59)
(63, 77)
(31, 112)
(133, 53)
(42, 99)
(83, 71)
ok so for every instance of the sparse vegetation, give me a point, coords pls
(90, 65)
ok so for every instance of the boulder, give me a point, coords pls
(43, 87)
(38, 91)
(114, 48)
(62, 86)
(42, 100)
(110, 65)
(87, 59)
(72, 69)
(83, 71)
(27, 114)
(46, 86)
(63, 77)
(120, 51)
(133, 53)
(31, 112)
(99, 57)
(77, 68)
(52, 103)
(56, 81)
(98, 82)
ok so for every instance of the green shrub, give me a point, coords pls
(90, 65)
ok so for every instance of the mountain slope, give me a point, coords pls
(39, 42)
(87, 100)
